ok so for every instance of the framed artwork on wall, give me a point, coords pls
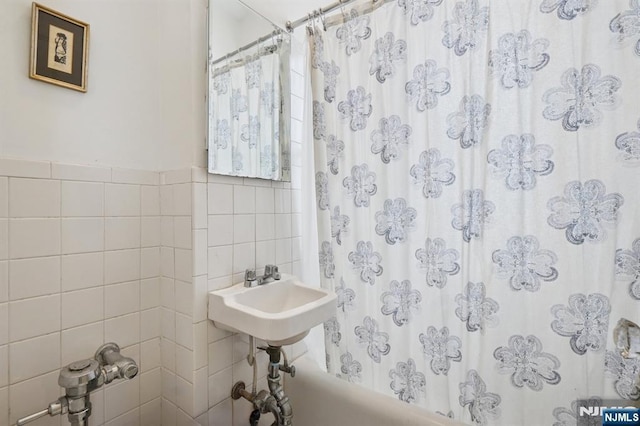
(59, 48)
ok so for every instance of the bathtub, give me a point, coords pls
(319, 399)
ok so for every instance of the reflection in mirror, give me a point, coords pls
(248, 106)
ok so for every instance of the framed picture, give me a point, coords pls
(59, 48)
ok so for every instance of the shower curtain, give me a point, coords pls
(476, 178)
(244, 117)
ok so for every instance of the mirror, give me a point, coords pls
(248, 97)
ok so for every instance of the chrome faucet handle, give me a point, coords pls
(272, 271)
(250, 278)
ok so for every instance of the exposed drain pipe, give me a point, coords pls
(275, 386)
(273, 401)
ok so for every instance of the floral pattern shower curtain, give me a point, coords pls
(244, 119)
(477, 194)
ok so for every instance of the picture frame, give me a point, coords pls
(59, 48)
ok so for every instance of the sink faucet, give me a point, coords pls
(270, 274)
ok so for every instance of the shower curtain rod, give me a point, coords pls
(322, 11)
(247, 46)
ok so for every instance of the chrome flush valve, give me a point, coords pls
(80, 378)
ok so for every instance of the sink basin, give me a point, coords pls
(280, 313)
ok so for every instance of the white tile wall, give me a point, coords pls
(62, 295)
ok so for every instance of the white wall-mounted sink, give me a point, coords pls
(280, 313)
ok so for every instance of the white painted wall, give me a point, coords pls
(143, 108)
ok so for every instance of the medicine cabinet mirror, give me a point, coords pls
(248, 94)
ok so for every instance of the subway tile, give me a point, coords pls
(244, 257)
(244, 199)
(168, 389)
(182, 232)
(221, 414)
(166, 231)
(150, 262)
(150, 357)
(81, 342)
(121, 233)
(220, 230)
(283, 226)
(34, 277)
(224, 179)
(82, 271)
(265, 253)
(121, 266)
(125, 330)
(25, 168)
(4, 196)
(265, 200)
(4, 367)
(82, 235)
(282, 201)
(32, 395)
(201, 396)
(220, 261)
(34, 317)
(184, 401)
(183, 265)
(4, 323)
(199, 205)
(130, 418)
(78, 172)
(82, 307)
(200, 298)
(4, 281)
(168, 292)
(151, 412)
(214, 333)
(199, 253)
(219, 385)
(172, 177)
(265, 227)
(150, 322)
(184, 362)
(150, 231)
(199, 174)
(141, 177)
(184, 331)
(82, 199)
(150, 386)
(220, 355)
(168, 324)
(150, 201)
(4, 239)
(244, 228)
(168, 349)
(34, 237)
(149, 293)
(166, 200)
(33, 357)
(283, 250)
(184, 297)
(121, 397)
(220, 198)
(34, 198)
(121, 299)
(182, 199)
(256, 182)
(122, 199)
(200, 345)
